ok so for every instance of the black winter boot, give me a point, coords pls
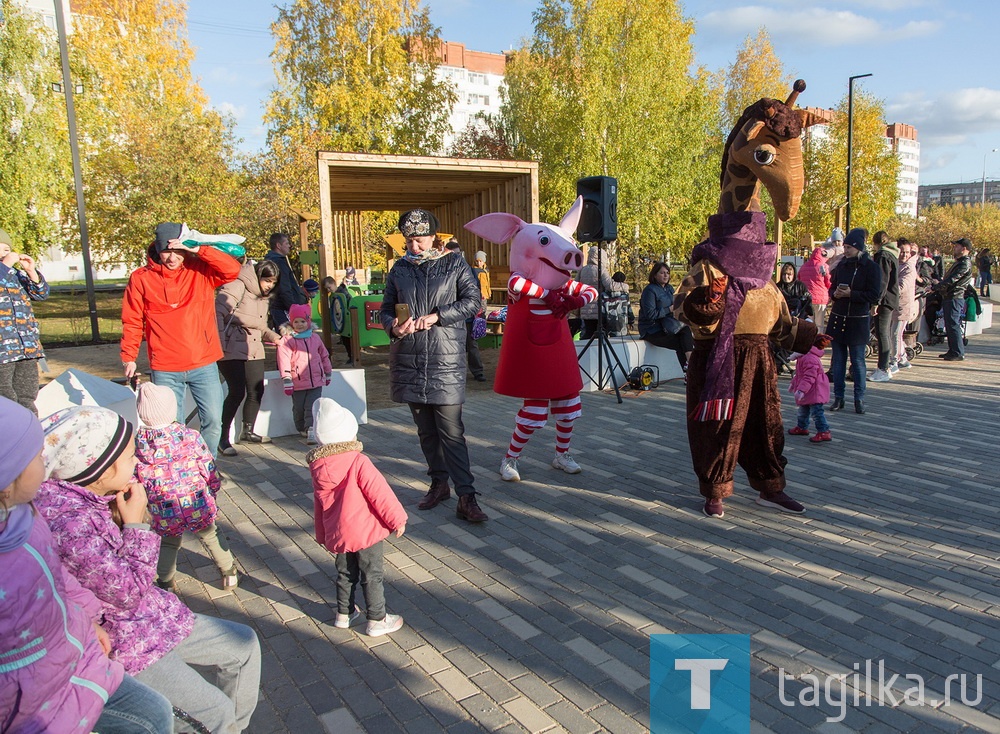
(250, 436)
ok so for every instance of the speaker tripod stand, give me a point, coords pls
(604, 350)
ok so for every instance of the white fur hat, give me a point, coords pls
(333, 423)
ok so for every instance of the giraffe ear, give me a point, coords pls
(752, 128)
(808, 118)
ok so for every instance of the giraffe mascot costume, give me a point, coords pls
(537, 357)
(734, 310)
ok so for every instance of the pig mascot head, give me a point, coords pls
(542, 253)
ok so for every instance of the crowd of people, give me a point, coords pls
(93, 510)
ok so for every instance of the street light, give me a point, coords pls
(982, 205)
(850, 144)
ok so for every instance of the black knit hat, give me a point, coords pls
(856, 238)
(418, 223)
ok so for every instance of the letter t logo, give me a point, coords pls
(701, 678)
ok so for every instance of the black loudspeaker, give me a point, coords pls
(599, 221)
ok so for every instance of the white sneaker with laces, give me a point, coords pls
(508, 470)
(343, 621)
(879, 376)
(311, 437)
(567, 463)
(391, 623)
(893, 369)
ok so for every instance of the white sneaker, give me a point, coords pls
(311, 437)
(904, 365)
(893, 369)
(508, 470)
(879, 376)
(391, 623)
(343, 621)
(567, 463)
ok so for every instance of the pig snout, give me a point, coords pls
(573, 260)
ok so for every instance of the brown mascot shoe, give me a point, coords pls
(468, 509)
(438, 493)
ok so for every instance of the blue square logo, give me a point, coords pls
(699, 684)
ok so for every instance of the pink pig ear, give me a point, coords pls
(498, 227)
(572, 219)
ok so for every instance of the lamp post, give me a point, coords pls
(74, 148)
(850, 144)
(982, 204)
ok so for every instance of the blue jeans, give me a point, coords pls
(206, 389)
(213, 674)
(839, 353)
(953, 325)
(135, 708)
(815, 412)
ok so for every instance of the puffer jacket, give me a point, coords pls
(143, 621)
(173, 311)
(601, 281)
(354, 506)
(848, 320)
(54, 676)
(428, 367)
(887, 258)
(178, 472)
(815, 273)
(19, 337)
(957, 279)
(908, 308)
(241, 315)
(810, 379)
(305, 361)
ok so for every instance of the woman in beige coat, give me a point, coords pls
(241, 311)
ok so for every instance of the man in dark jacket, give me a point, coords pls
(288, 292)
(952, 289)
(427, 355)
(887, 259)
(854, 289)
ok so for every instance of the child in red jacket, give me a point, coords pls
(305, 368)
(355, 510)
(811, 388)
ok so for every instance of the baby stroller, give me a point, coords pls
(783, 362)
(971, 309)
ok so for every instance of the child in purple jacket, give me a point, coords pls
(305, 368)
(206, 666)
(178, 472)
(811, 387)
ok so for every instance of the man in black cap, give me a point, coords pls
(952, 289)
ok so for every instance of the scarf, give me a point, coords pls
(736, 245)
(303, 334)
(426, 256)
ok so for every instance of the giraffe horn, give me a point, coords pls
(797, 88)
(769, 112)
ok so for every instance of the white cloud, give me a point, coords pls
(949, 118)
(228, 108)
(222, 75)
(811, 26)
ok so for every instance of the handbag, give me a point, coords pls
(478, 327)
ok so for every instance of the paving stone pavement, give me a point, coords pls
(539, 620)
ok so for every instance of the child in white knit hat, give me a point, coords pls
(178, 472)
(355, 510)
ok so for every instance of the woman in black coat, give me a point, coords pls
(854, 288)
(795, 292)
(427, 361)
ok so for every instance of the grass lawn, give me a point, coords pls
(64, 318)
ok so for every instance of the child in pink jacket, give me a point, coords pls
(811, 387)
(355, 510)
(305, 368)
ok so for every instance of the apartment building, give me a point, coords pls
(477, 77)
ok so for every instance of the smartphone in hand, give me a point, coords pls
(402, 313)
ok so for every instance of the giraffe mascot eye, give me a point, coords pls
(764, 155)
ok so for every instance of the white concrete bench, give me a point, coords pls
(633, 352)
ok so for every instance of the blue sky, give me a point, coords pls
(933, 62)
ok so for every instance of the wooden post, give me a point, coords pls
(304, 245)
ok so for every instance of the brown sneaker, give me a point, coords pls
(468, 509)
(438, 493)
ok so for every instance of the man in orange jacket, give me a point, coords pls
(171, 304)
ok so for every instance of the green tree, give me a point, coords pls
(604, 88)
(875, 171)
(757, 72)
(34, 154)
(152, 151)
(938, 226)
(353, 75)
(487, 136)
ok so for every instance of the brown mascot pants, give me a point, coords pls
(754, 438)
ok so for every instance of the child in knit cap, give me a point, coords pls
(57, 676)
(355, 511)
(178, 472)
(206, 666)
(811, 388)
(305, 368)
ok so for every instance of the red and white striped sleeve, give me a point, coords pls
(576, 288)
(519, 286)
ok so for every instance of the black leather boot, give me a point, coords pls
(837, 404)
(859, 407)
(438, 493)
(250, 436)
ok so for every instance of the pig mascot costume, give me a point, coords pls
(537, 357)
